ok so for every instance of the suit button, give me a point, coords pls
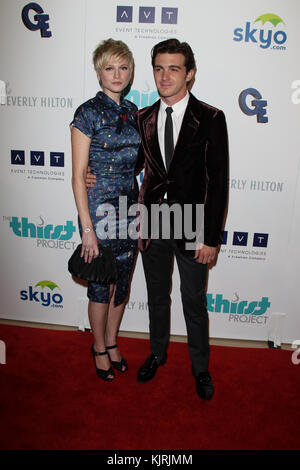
(168, 181)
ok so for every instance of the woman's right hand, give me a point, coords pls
(90, 248)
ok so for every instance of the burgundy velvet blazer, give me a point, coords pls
(198, 173)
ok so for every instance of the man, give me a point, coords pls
(184, 153)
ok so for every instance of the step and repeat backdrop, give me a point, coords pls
(247, 56)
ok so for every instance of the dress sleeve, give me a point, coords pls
(84, 120)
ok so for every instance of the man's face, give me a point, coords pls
(171, 77)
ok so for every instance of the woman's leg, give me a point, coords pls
(114, 318)
(98, 316)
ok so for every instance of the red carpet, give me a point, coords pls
(51, 398)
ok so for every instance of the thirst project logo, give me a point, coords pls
(142, 98)
(21, 227)
(239, 310)
(46, 235)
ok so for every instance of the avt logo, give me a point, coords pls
(147, 15)
(274, 38)
(259, 240)
(23, 228)
(40, 19)
(37, 158)
(43, 293)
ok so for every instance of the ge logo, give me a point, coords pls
(296, 354)
(41, 20)
(258, 104)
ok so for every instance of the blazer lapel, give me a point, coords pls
(149, 126)
(190, 125)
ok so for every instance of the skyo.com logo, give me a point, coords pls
(266, 38)
(40, 19)
(43, 293)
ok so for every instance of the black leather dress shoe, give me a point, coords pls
(148, 370)
(204, 385)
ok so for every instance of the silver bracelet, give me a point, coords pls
(87, 230)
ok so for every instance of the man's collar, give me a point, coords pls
(177, 107)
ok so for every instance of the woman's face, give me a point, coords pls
(114, 76)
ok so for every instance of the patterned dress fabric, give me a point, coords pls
(113, 153)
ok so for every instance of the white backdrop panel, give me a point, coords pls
(47, 78)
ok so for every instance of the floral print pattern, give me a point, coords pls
(113, 153)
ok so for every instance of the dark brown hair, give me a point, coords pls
(174, 46)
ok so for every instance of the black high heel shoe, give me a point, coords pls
(118, 365)
(102, 373)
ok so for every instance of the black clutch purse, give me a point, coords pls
(102, 270)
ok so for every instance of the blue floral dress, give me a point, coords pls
(113, 152)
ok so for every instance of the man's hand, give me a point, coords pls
(206, 254)
(90, 179)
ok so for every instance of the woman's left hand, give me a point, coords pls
(90, 248)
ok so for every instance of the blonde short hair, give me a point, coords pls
(108, 48)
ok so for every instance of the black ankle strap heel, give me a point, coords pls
(102, 373)
(121, 365)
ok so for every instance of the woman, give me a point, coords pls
(104, 136)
